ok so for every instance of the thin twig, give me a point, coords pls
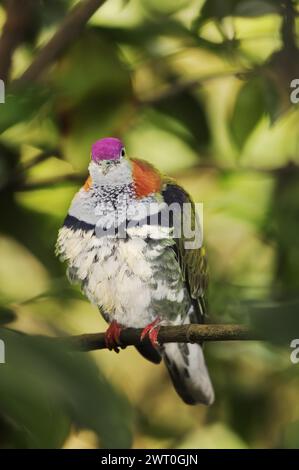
(68, 31)
(167, 334)
(15, 180)
(39, 158)
(50, 182)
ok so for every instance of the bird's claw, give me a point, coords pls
(112, 336)
(151, 331)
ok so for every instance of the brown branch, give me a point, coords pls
(16, 178)
(68, 31)
(167, 334)
(40, 158)
(288, 27)
(18, 18)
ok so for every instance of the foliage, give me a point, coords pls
(201, 89)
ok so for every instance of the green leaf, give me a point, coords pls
(276, 320)
(188, 110)
(7, 315)
(95, 118)
(272, 100)
(106, 75)
(253, 8)
(59, 288)
(51, 11)
(144, 35)
(36, 230)
(21, 104)
(281, 229)
(290, 437)
(9, 158)
(44, 388)
(90, 106)
(215, 436)
(167, 7)
(218, 9)
(249, 109)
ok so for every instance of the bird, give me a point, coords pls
(120, 246)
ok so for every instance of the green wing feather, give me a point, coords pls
(193, 261)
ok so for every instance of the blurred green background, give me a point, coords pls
(202, 90)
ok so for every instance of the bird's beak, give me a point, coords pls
(105, 167)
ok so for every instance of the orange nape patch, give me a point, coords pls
(147, 180)
(87, 184)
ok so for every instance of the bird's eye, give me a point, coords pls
(123, 152)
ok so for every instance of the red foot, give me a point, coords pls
(152, 331)
(112, 336)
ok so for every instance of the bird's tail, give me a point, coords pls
(186, 366)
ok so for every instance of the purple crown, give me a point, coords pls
(106, 149)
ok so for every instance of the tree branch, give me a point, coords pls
(167, 334)
(18, 17)
(288, 27)
(40, 158)
(68, 31)
(16, 179)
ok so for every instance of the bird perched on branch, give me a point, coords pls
(130, 255)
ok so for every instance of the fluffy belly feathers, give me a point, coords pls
(132, 280)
